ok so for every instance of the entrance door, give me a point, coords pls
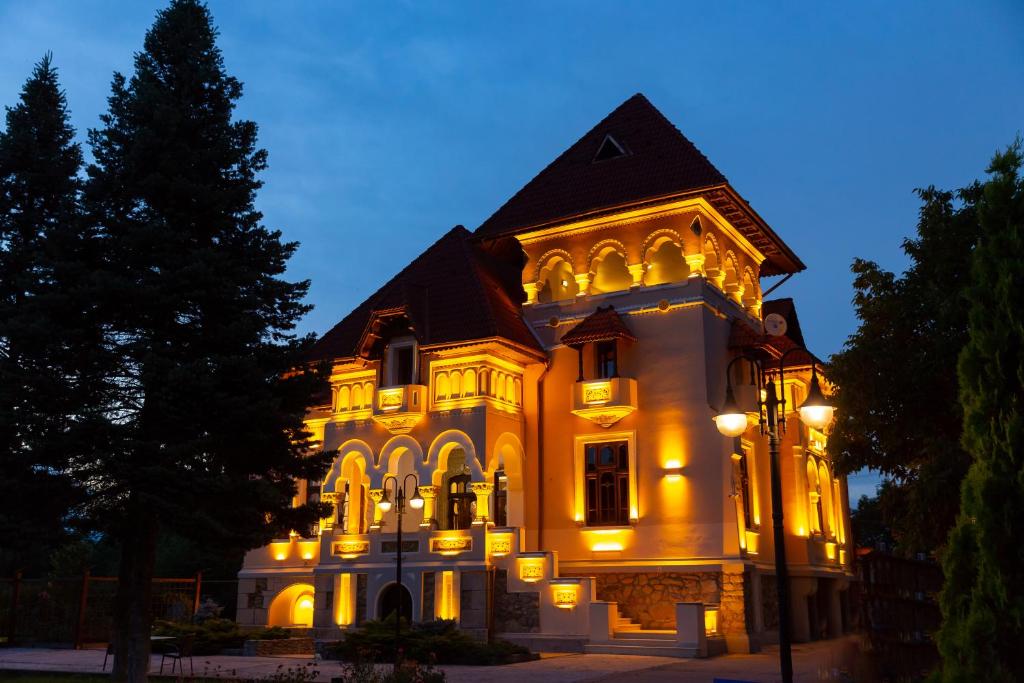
(393, 599)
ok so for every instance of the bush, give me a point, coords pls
(439, 642)
(366, 672)
(213, 635)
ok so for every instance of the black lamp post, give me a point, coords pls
(732, 421)
(416, 503)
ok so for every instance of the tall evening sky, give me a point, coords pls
(387, 123)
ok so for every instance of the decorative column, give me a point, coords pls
(482, 491)
(715, 276)
(583, 283)
(695, 262)
(734, 290)
(429, 494)
(378, 515)
(531, 294)
(329, 522)
(636, 270)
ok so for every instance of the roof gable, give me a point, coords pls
(654, 159)
(603, 324)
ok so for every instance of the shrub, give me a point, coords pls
(213, 635)
(439, 642)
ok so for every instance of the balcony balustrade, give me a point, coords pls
(399, 409)
(604, 401)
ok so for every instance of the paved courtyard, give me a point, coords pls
(812, 662)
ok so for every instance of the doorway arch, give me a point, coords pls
(394, 598)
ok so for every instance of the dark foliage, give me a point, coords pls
(983, 597)
(868, 524)
(42, 326)
(897, 409)
(438, 642)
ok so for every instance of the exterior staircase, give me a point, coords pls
(630, 639)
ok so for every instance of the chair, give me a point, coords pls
(179, 652)
(109, 653)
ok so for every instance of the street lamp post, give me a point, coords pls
(416, 503)
(732, 421)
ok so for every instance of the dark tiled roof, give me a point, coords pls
(453, 292)
(601, 325)
(744, 336)
(787, 309)
(659, 161)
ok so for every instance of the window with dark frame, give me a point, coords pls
(461, 502)
(500, 498)
(403, 360)
(606, 483)
(607, 359)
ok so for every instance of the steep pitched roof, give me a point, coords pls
(601, 325)
(632, 157)
(657, 160)
(452, 292)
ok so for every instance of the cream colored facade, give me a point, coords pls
(690, 538)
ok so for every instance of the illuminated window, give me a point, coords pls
(607, 359)
(606, 482)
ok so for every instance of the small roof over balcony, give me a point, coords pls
(604, 324)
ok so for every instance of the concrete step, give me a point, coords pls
(650, 648)
(648, 635)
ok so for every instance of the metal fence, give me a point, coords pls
(74, 611)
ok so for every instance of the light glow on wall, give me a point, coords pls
(446, 607)
(280, 550)
(308, 549)
(710, 620)
(564, 595)
(344, 615)
(531, 569)
(302, 612)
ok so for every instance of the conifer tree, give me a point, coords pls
(983, 596)
(41, 321)
(207, 423)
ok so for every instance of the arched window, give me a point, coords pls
(442, 386)
(666, 264)
(500, 498)
(817, 520)
(611, 274)
(557, 282)
(469, 382)
(344, 398)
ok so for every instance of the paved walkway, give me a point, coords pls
(812, 662)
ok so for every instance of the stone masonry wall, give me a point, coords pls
(650, 598)
(514, 612)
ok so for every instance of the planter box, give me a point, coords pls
(277, 648)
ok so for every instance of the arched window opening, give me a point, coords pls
(611, 274)
(558, 282)
(666, 264)
(344, 398)
(817, 520)
(469, 382)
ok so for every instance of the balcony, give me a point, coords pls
(604, 401)
(399, 409)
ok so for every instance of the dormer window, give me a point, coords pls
(400, 363)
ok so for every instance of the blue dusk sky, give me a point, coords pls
(389, 122)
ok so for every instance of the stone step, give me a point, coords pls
(649, 648)
(638, 634)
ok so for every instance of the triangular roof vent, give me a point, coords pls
(609, 149)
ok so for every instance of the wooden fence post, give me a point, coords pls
(83, 603)
(199, 587)
(12, 622)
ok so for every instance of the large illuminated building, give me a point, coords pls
(551, 380)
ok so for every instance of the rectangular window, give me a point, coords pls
(404, 365)
(748, 507)
(606, 483)
(607, 359)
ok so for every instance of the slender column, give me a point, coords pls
(482, 491)
(583, 283)
(695, 263)
(429, 494)
(378, 515)
(636, 270)
(531, 292)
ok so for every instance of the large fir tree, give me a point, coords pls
(41, 318)
(983, 597)
(208, 433)
(896, 375)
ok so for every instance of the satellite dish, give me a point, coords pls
(775, 325)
